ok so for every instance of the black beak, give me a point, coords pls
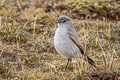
(57, 21)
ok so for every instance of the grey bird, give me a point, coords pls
(67, 43)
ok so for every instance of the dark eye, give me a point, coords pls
(63, 21)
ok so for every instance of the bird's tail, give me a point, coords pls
(90, 61)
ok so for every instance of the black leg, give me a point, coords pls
(68, 63)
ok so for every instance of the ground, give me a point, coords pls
(26, 39)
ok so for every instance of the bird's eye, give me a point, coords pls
(63, 21)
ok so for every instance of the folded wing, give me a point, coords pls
(76, 40)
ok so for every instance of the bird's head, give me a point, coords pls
(64, 21)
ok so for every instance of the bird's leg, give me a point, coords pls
(70, 60)
(68, 63)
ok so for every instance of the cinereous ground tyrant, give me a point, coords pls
(67, 43)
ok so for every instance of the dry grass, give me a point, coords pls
(26, 42)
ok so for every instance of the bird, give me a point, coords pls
(67, 43)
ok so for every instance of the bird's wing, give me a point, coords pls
(76, 40)
(73, 36)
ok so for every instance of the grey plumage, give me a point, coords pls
(66, 41)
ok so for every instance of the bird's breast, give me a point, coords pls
(60, 38)
(64, 45)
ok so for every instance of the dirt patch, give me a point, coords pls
(101, 76)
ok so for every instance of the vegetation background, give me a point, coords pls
(27, 28)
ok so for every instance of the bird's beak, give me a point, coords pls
(57, 21)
